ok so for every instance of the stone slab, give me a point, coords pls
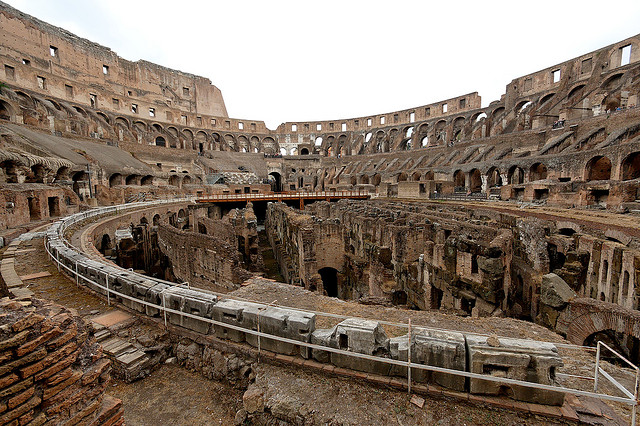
(112, 318)
(35, 275)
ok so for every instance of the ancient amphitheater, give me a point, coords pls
(453, 263)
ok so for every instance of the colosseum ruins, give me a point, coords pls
(447, 262)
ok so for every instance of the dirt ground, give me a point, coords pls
(323, 400)
(172, 395)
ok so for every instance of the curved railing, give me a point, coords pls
(353, 343)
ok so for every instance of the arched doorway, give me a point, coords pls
(276, 182)
(538, 171)
(493, 178)
(459, 181)
(598, 168)
(475, 181)
(631, 166)
(515, 175)
(6, 112)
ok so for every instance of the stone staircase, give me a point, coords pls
(128, 362)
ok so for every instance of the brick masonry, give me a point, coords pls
(52, 370)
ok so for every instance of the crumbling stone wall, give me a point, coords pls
(478, 261)
(52, 368)
(22, 203)
(205, 261)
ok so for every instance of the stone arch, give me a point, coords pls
(459, 181)
(172, 131)
(243, 144)
(81, 184)
(189, 138)
(612, 81)
(122, 121)
(631, 166)
(57, 106)
(402, 177)
(428, 175)
(161, 141)
(416, 176)
(458, 126)
(475, 181)
(494, 179)
(376, 179)
(364, 179)
(186, 180)
(525, 103)
(598, 168)
(577, 91)
(254, 143)
(174, 180)
(6, 111)
(63, 173)
(147, 180)
(38, 174)
(546, 98)
(156, 220)
(132, 180)
(269, 145)
(141, 126)
(590, 317)
(515, 176)
(440, 130)
(538, 171)
(229, 143)
(104, 116)
(157, 127)
(115, 180)
(80, 111)
(276, 182)
(478, 116)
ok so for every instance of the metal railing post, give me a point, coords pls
(77, 276)
(595, 378)
(259, 309)
(634, 409)
(58, 259)
(108, 292)
(164, 309)
(409, 361)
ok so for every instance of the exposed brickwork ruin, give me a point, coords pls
(53, 370)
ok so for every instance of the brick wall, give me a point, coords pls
(52, 370)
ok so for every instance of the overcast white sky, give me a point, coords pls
(301, 60)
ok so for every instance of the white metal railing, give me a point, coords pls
(282, 195)
(600, 371)
(163, 308)
(630, 398)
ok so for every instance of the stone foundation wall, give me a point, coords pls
(474, 261)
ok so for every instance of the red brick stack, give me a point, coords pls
(51, 368)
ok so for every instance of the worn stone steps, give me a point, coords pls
(129, 363)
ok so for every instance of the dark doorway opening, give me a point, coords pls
(34, 208)
(54, 206)
(329, 281)
(436, 298)
(399, 297)
(276, 182)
